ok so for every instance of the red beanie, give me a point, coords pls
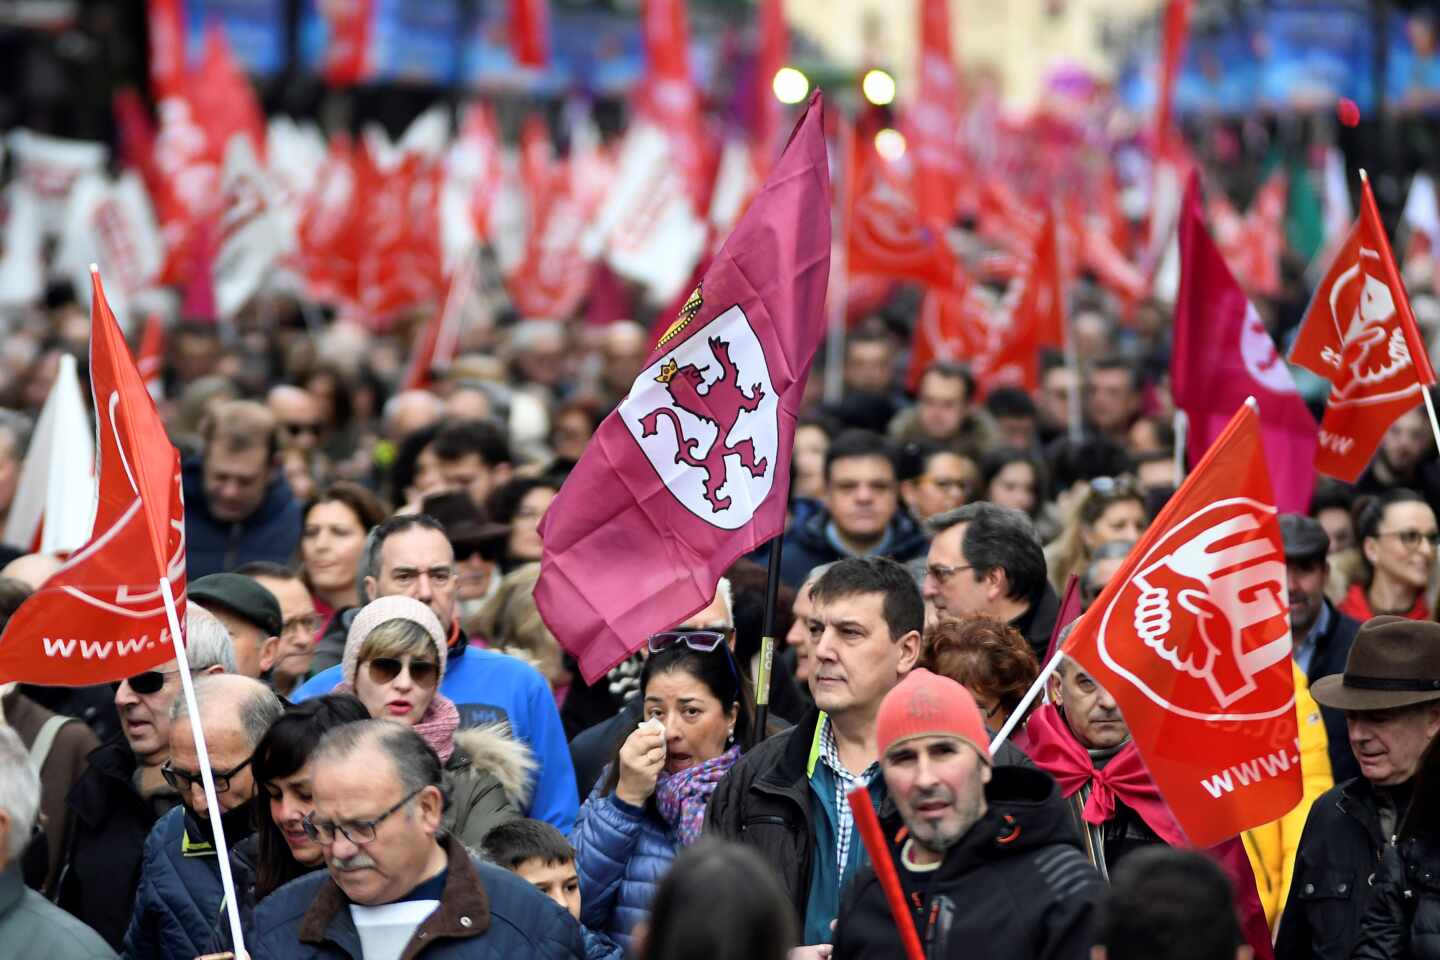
(925, 704)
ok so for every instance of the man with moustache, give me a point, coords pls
(122, 792)
(395, 885)
(180, 895)
(990, 861)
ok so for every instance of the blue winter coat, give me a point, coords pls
(272, 532)
(621, 854)
(179, 898)
(485, 913)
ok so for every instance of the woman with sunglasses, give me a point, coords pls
(1398, 536)
(394, 662)
(651, 799)
(279, 850)
(1108, 509)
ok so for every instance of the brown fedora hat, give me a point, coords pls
(1395, 662)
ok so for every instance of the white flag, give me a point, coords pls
(54, 505)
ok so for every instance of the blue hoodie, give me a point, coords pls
(487, 687)
(272, 532)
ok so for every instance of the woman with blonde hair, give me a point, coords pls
(1110, 508)
(394, 663)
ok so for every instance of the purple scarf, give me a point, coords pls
(682, 797)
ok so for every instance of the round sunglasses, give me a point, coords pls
(425, 673)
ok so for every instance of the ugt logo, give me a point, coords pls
(1209, 603)
(707, 418)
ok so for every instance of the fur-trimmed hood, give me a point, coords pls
(494, 748)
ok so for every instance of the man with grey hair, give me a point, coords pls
(26, 917)
(180, 896)
(394, 883)
(987, 559)
(123, 792)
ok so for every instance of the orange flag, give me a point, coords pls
(1192, 639)
(101, 617)
(1360, 335)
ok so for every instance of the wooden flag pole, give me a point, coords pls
(764, 671)
(222, 850)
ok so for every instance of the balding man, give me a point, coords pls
(180, 897)
(408, 411)
(297, 416)
(395, 884)
(238, 507)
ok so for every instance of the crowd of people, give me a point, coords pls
(407, 763)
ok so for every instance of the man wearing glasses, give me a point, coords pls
(410, 555)
(122, 792)
(180, 896)
(987, 559)
(298, 623)
(394, 884)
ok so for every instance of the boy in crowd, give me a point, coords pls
(537, 852)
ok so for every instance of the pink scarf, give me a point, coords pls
(682, 797)
(438, 725)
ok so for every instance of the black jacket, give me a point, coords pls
(1332, 649)
(1338, 855)
(807, 547)
(1402, 916)
(1016, 885)
(212, 545)
(100, 870)
(1038, 622)
(330, 648)
(485, 913)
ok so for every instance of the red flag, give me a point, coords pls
(952, 326)
(1177, 27)
(530, 32)
(1070, 610)
(935, 123)
(347, 55)
(1036, 319)
(886, 235)
(678, 483)
(151, 358)
(167, 48)
(101, 618)
(1223, 354)
(774, 50)
(1360, 335)
(671, 100)
(1192, 639)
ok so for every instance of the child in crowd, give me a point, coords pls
(537, 852)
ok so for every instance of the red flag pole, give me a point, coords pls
(1418, 354)
(868, 826)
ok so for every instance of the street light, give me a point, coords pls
(890, 144)
(878, 87)
(790, 85)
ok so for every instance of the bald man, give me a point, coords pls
(408, 411)
(297, 417)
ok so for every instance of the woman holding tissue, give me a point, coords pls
(651, 798)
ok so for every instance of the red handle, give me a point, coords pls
(868, 825)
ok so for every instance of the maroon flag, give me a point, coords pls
(691, 471)
(1223, 354)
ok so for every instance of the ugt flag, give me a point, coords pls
(101, 617)
(691, 471)
(1223, 354)
(1360, 335)
(1192, 639)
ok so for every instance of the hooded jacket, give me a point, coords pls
(488, 781)
(1017, 885)
(212, 545)
(808, 544)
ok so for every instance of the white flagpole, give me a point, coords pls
(1430, 409)
(1018, 713)
(222, 850)
(1181, 425)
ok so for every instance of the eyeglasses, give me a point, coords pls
(357, 832)
(150, 681)
(425, 673)
(941, 573)
(947, 485)
(701, 641)
(1411, 539)
(295, 429)
(306, 623)
(1111, 486)
(183, 780)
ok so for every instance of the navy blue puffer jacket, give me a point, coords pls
(621, 854)
(178, 902)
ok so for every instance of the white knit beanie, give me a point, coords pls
(383, 610)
